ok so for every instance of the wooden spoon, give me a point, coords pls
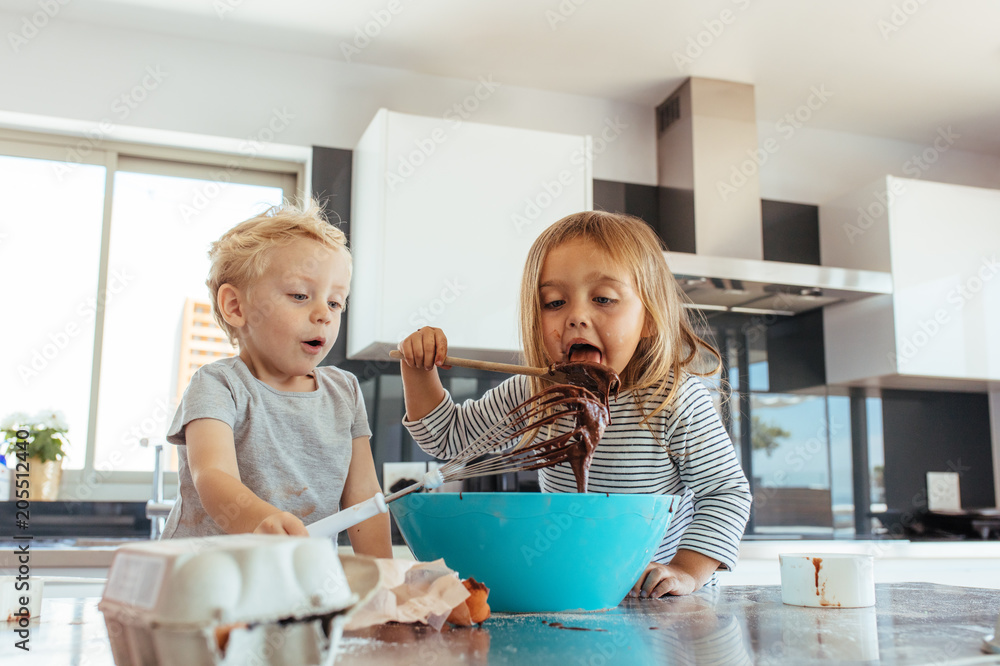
(545, 373)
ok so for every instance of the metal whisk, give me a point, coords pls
(541, 409)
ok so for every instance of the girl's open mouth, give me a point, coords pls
(584, 352)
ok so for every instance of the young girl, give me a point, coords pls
(268, 441)
(596, 288)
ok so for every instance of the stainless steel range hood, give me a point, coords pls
(708, 160)
(752, 286)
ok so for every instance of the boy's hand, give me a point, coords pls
(282, 523)
(660, 579)
(425, 348)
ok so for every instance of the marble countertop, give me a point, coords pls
(97, 552)
(911, 623)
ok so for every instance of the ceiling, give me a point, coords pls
(902, 69)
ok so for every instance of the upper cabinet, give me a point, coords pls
(941, 244)
(444, 213)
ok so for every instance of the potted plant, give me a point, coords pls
(42, 450)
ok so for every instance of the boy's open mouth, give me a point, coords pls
(317, 343)
(584, 352)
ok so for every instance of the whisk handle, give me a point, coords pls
(431, 480)
(349, 517)
(508, 368)
(403, 492)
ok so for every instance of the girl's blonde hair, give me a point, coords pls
(672, 346)
(240, 257)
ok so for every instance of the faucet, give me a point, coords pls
(157, 509)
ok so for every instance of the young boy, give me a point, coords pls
(270, 442)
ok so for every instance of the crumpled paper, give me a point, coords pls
(424, 592)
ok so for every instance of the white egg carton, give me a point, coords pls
(235, 599)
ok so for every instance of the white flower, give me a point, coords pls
(13, 420)
(52, 419)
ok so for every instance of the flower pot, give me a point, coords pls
(44, 479)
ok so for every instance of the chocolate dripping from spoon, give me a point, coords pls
(586, 396)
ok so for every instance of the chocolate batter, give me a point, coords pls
(596, 378)
(587, 398)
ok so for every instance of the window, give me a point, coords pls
(794, 447)
(876, 454)
(101, 287)
(156, 260)
(50, 248)
(791, 465)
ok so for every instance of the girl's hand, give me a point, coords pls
(425, 349)
(660, 579)
(282, 523)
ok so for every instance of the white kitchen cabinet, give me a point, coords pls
(942, 245)
(443, 215)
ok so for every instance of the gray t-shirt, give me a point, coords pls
(293, 449)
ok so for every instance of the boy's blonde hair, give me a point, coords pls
(240, 257)
(673, 346)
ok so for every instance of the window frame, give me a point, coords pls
(162, 153)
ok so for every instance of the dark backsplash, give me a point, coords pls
(47, 520)
(936, 431)
(790, 231)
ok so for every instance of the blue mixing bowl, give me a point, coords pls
(539, 552)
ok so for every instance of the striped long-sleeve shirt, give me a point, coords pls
(684, 451)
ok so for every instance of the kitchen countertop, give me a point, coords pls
(911, 623)
(97, 552)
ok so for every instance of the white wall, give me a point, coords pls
(816, 166)
(79, 71)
